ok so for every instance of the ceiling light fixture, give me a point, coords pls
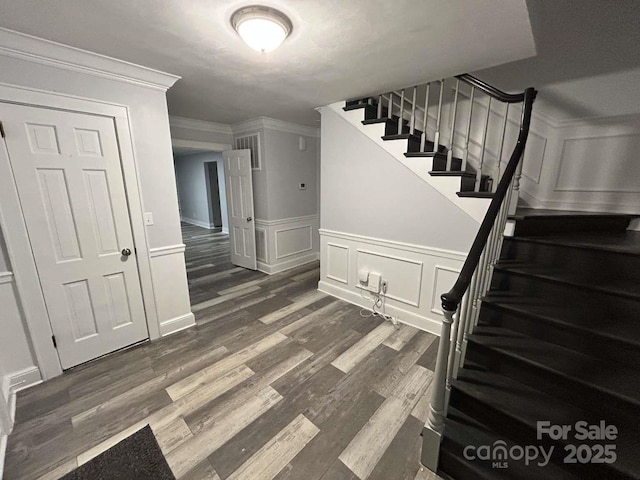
(262, 28)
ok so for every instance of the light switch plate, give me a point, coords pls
(148, 218)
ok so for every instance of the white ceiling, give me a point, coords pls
(338, 48)
(588, 61)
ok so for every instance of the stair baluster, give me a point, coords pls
(436, 137)
(413, 111)
(425, 119)
(401, 115)
(484, 148)
(465, 153)
(452, 130)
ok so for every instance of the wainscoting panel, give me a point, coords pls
(338, 263)
(415, 275)
(444, 278)
(403, 275)
(587, 165)
(288, 243)
(292, 241)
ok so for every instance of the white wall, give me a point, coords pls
(588, 165)
(378, 214)
(287, 219)
(191, 178)
(150, 137)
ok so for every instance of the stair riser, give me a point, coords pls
(550, 382)
(440, 164)
(557, 293)
(575, 339)
(524, 434)
(591, 264)
(468, 184)
(552, 225)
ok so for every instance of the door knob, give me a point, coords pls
(249, 219)
(126, 252)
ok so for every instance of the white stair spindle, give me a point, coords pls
(453, 125)
(484, 148)
(423, 138)
(401, 115)
(413, 111)
(379, 113)
(502, 138)
(436, 138)
(390, 106)
(465, 153)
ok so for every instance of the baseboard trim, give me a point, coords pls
(176, 324)
(271, 269)
(423, 323)
(24, 379)
(198, 223)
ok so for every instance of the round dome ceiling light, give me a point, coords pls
(262, 28)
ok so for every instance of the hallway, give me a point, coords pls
(277, 380)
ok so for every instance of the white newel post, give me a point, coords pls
(432, 432)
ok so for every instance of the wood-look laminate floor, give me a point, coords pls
(276, 381)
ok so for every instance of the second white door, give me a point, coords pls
(69, 179)
(242, 228)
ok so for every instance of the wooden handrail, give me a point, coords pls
(491, 90)
(451, 300)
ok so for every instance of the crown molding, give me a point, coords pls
(200, 125)
(274, 124)
(38, 50)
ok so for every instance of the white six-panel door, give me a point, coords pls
(68, 174)
(242, 228)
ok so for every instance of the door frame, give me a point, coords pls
(31, 297)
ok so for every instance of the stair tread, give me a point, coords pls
(627, 243)
(356, 106)
(425, 154)
(401, 136)
(582, 317)
(524, 212)
(462, 431)
(454, 173)
(615, 380)
(527, 406)
(475, 194)
(617, 286)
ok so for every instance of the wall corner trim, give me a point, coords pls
(35, 49)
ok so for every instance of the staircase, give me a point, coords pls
(557, 339)
(418, 146)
